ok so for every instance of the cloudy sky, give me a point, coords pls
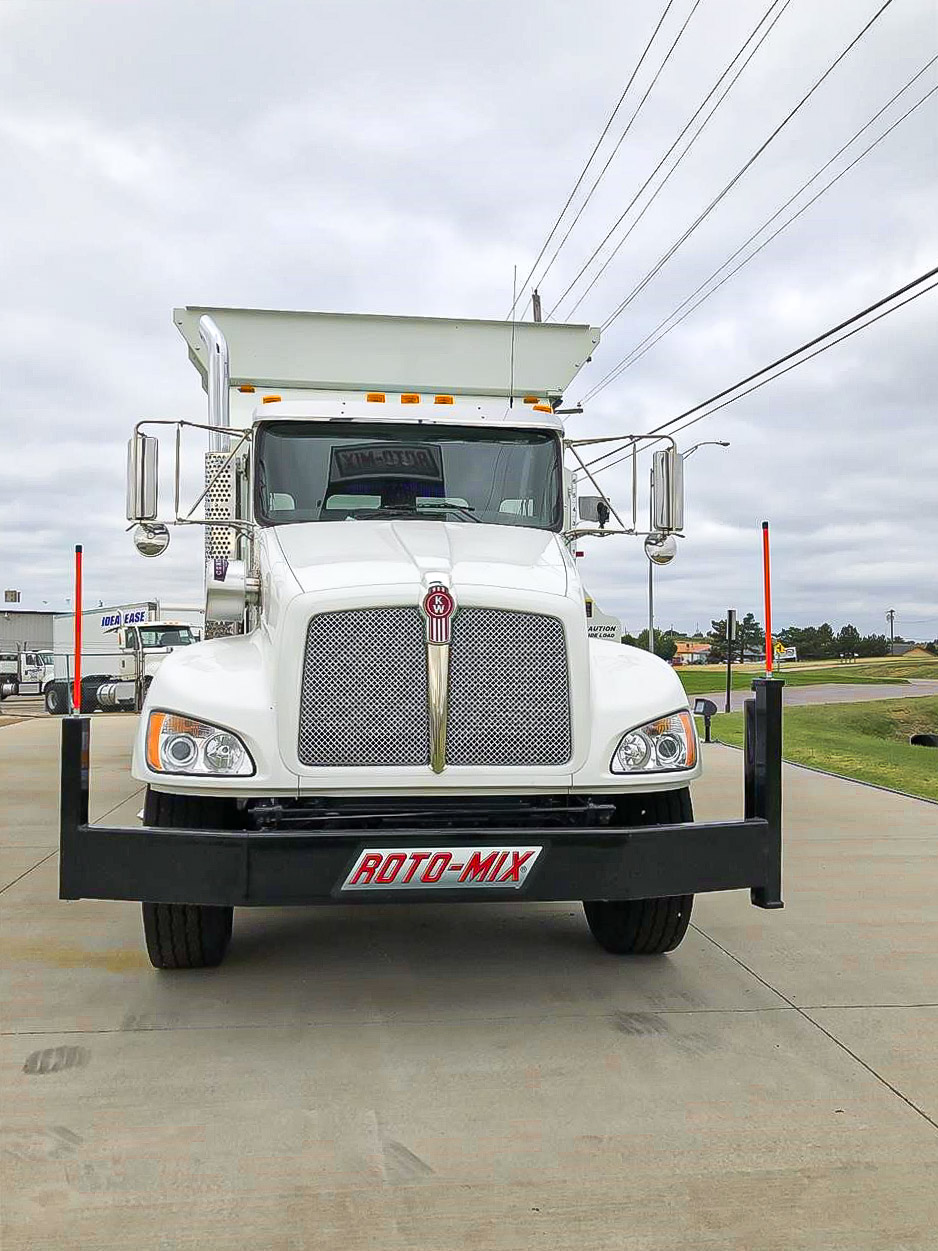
(403, 156)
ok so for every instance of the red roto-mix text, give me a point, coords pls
(427, 868)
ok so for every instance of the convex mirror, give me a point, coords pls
(151, 538)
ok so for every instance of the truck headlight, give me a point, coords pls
(660, 746)
(181, 745)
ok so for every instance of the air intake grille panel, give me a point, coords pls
(364, 696)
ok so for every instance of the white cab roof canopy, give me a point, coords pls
(361, 352)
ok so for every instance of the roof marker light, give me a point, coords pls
(543, 408)
(531, 399)
(442, 399)
(409, 397)
(246, 388)
(375, 397)
(270, 399)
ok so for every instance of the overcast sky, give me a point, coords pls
(402, 157)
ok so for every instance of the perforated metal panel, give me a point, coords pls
(364, 695)
(509, 697)
(219, 540)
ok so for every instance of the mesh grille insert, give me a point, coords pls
(364, 696)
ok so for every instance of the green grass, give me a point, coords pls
(700, 680)
(866, 741)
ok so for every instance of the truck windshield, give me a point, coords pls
(46, 658)
(165, 636)
(318, 471)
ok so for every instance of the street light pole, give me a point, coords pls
(651, 606)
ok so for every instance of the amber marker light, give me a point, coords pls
(543, 408)
(410, 398)
(270, 399)
(375, 397)
(153, 740)
(442, 399)
(531, 399)
(246, 388)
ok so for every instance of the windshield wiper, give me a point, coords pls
(402, 510)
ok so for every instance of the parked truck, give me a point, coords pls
(25, 671)
(401, 701)
(122, 647)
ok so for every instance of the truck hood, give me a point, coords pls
(344, 555)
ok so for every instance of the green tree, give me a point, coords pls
(848, 641)
(665, 645)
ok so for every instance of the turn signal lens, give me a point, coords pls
(183, 745)
(661, 746)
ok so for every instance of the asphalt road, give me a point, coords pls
(480, 1076)
(832, 693)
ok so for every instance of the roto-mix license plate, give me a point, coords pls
(429, 868)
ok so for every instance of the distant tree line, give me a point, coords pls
(819, 642)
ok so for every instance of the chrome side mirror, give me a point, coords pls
(142, 478)
(151, 538)
(667, 506)
(593, 508)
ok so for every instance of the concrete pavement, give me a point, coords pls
(480, 1076)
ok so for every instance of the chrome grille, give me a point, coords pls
(364, 695)
(509, 697)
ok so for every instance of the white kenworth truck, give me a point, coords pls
(401, 701)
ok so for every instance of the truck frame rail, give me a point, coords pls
(258, 867)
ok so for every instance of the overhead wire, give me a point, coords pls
(695, 412)
(792, 113)
(687, 125)
(590, 158)
(612, 155)
(654, 337)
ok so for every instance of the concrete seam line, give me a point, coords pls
(818, 1026)
(29, 870)
(890, 790)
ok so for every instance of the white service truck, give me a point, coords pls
(25, 671)
(122, 647)
(402, 701)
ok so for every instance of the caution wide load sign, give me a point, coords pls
(600, 625)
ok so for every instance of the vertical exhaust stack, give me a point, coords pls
(218, 380)
(220, 539)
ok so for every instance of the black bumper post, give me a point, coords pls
(763, 751)
(73, 811)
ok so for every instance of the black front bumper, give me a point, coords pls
(312, 866)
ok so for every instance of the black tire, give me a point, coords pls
(56, 699)
(644, 927)
(180, 935)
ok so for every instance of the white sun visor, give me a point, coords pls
(361, 352)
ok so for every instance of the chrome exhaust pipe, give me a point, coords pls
(218, 380)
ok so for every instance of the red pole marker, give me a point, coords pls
(76, 689)
(768, 599)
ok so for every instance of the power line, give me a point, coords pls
(697, 415)
(663, 260)
(620, 141)
(653, 337)
(687, 125)
(596, 147)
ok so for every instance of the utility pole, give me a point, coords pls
(891, 618)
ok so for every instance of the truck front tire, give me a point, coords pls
(179, 935)
(644, 927)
